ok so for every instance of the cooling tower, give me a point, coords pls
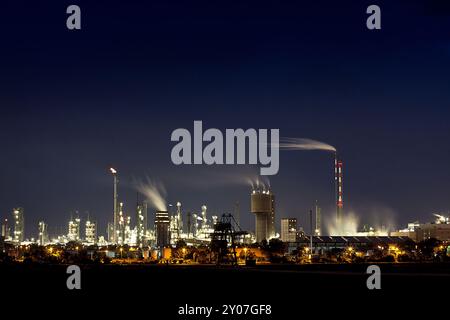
(263, 207)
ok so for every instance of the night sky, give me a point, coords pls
(73, 103)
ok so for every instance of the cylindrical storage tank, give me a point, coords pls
(262, 205)
(260, 202)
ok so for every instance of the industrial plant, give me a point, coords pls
(160, 232)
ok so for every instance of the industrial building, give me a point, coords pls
(288, 229)
(19, 225)
(141, 224)
(439, 229)
(432, 230)
(176, 224)
(73, 233)
(263, 207)
(162, 230)
(91, 232)
(6, 230)
(327, 243)
(43, 233)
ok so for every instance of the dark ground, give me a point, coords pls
(329, 290)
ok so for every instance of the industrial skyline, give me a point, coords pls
(167, 225)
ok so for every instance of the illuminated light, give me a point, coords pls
(113, 171)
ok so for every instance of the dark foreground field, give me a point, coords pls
(289, 289)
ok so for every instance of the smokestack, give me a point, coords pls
(318, 230)
(338, 176)
(115, 205)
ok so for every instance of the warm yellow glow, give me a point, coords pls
(393, 248)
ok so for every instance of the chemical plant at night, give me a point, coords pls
(170, 235)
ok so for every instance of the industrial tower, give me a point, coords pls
(19, 225)
(43, 234)
(141, 224)
(263, 207)
(115, 226)
(318, 229)
(162, 230)
(338, 176)
(225, 236)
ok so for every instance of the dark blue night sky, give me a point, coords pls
(73, 103)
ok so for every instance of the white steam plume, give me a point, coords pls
(154, 192)
(259, 182)
(304, 144)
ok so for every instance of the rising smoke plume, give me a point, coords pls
(259, 182)
(304, 144)
(154, 192)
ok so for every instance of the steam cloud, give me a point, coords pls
(154, 192)
(304, 144)
(261, 182)
(380, 218)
